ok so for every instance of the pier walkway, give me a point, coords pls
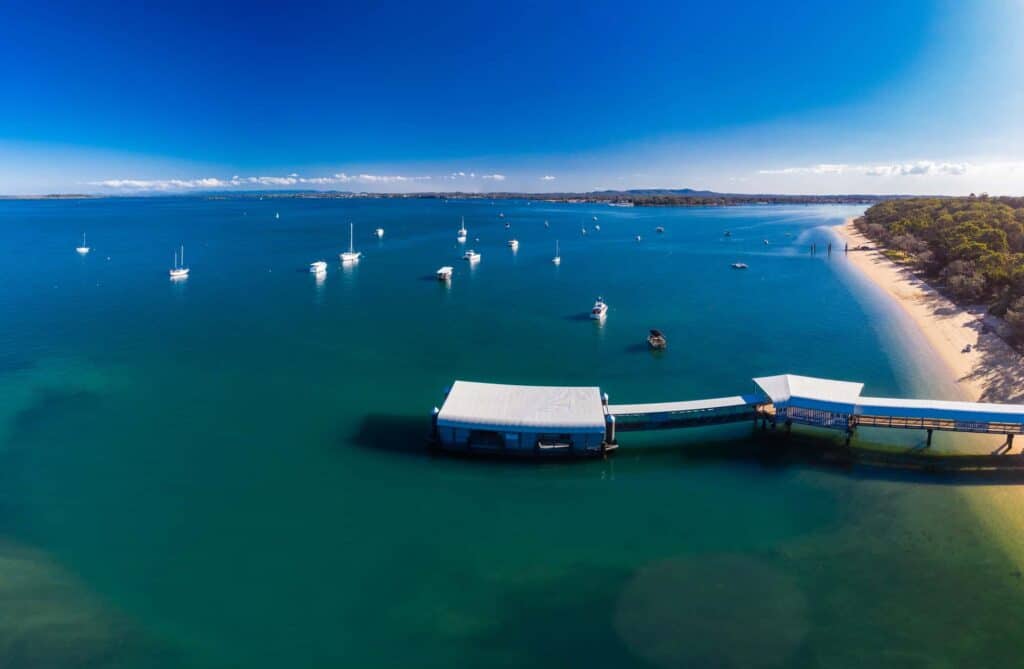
(581, 421)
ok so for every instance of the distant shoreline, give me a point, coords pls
(992, 371)
(684, 197)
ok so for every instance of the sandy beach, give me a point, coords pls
(991, 372)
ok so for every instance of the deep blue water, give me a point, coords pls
(231, 470)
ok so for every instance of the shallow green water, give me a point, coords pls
(230, 471)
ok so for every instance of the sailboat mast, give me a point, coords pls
(182, 255)
(351, 233)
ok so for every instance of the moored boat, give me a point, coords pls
(599, 310)
(351, 255)
(179, 271)
(656, 340)
(445, 273)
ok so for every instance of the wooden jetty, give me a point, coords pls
(580, 421)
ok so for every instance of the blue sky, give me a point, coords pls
(915, 96)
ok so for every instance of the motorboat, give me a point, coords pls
(379, 232)
(638, 238)
(445, 273)
(599, 310)
(471, 256)
(513, 244)
(656, 340)
(351, 255)
(660, 230)
(739, 265)
(318, 267)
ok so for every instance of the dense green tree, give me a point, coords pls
(972, 246)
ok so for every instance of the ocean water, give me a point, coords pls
(231, 470)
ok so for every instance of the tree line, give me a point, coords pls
(973, 247)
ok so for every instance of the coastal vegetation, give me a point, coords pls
(972, 247)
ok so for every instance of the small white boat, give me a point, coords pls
(765, 241)
(445, 273)
(501, 215)
(583, 231)
(463, 234)
(595, 218)
(83, 249)
(557, 260)
(379, 233)
(513, 244)
(739, 265)
(351, 255)
(546, 224)
(179, 271)
(471, 256)
(277, 215)
(638, 237)
(621, 203)
(660, 230)
(508, 226)
(599, 310)
(597, 228)
(318, 267)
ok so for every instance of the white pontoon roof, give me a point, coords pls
(965, 412)
(494, 406)
(810, 392)
(712, 404)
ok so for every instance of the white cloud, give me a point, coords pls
(161, 184)
(907, 169)
(823, 168)
(494, 177)
(547, 177)
(293, 179)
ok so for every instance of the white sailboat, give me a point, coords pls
(179, 271)
(463, 234)
(558, 256)
(83, 249)
(351, 255)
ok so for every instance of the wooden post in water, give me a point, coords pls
(928, 444)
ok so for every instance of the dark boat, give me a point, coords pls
(656, 340)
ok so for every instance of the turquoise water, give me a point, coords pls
(231, 470)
